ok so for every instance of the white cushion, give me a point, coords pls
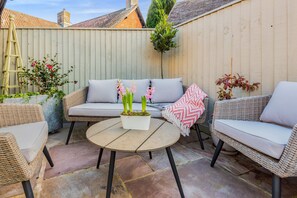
(30, 137)
(102, 91)
(267, 138)
(167, 90)
(282, 107)
(141, 87)
(107, 110)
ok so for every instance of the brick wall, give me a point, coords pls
(132, 21)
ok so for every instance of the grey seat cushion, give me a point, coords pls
(267, 138)
(107, 110)
(30, 137)
(167, 90)
(282, 107)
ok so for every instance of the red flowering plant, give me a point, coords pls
(45, 75)
(228, 82)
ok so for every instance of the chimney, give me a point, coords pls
(64, 18)
(130, 3)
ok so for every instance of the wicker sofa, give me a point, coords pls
(80, 97)
(282, 164)
(23, 135)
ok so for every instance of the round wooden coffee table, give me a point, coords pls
(109, 134)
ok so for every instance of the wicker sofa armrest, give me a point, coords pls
(288, 160)
(247, 108)
(75, 98)
(15, 114)
(13, 166)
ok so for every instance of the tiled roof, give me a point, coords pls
(188, 9)
(109, 20)
(24, 20)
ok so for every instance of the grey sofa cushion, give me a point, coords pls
(167, 90)
(102, 91)
(107, 110)
(30, 137)
(270, 139)
(282, 107)
(141, 87)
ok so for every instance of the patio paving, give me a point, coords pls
(75, 173)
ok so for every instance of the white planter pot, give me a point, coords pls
(136, 122)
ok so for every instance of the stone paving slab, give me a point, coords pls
(76, 156)
(133, 167)
(87, 183)
(198, 180)
(180, 153)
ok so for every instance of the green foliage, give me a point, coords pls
(156, 10)
(46, 75)
(162, 37)
(143, 103)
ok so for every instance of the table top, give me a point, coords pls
(110, 134)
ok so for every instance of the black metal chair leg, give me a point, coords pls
(217, 152)
(276, 186)
(110, 173)
(198, 131)
(28, 189)
(70, 132)
(88, 124)
(48, 157)
(99, 158)
(175, 173)
(151, 156)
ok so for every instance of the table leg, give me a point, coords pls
(110, 173)
(172, 163)
(99, 158)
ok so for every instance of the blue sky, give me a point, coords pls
(80, 10)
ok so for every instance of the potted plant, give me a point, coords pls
(132, 119)
(227, 83)
(162, 37)
(44, 75)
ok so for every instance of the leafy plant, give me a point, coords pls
(162, 38)
(46, 75)
(228, 82)
(156, 9)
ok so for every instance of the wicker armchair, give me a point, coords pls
(250, 109)
(14, 167)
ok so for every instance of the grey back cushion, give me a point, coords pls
(167, 90)
(141, 87)
(102, 91)
(282, 107)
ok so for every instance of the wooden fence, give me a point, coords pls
(257, 37)
(95, 53)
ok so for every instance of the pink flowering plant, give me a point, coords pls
(127, 96)
(46, 75)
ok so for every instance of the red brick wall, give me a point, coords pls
(132, 21)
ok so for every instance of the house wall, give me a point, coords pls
(257, 37)
(132, 21)
(95, 53)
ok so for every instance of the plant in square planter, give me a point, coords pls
(228, 83)
(132, 119)
(44, 75)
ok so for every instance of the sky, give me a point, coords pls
(80, 10)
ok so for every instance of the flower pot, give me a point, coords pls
(51, 106)
(227, 149)
(136, 122)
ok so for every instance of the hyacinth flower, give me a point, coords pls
(124, 101)
(149, 93)
(121, 89)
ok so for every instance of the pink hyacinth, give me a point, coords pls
(149, 93)
(121, 89)
(133, 88)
